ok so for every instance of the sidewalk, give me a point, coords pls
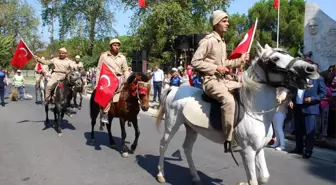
(329, 143)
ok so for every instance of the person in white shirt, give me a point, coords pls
(158, 77)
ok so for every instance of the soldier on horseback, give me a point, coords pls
(118, 64)
(77, 65)
(59, 72)
(40, 71)
(210, 59)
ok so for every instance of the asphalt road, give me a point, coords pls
(33, 155)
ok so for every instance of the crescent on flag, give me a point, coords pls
(244, 39)
(23, 49)
(107, 78)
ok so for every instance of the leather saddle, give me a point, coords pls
(215, 110)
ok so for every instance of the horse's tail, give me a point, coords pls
(94, 107)
(161, 109)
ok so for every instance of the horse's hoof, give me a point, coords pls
(124, 154)
(59, 134)
(114, 146)
(161, 179)
(92, 141)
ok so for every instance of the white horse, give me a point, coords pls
(43, 83)
(272, 68)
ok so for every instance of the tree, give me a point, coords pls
(17, 20)
(158, 25)
(90, 19)
(291, 23)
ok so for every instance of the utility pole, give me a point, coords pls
(53, 6)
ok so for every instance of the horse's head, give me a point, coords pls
(140, 87)
(282, 70)
(75, 79)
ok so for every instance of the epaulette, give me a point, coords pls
(207, 37)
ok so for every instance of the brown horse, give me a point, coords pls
(134, 94)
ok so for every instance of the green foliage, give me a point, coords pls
(291, 23)
(5, 51)
(158, 25)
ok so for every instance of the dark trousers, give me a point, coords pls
(304, 125)
(2, 95)
(157, 90)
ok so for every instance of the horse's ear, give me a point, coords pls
(259, 49)
(267, 46)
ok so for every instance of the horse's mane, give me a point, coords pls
(144, 77)
(249, 86)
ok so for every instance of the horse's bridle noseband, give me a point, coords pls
(269, 65)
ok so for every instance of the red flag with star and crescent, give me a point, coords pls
(244, 44)
(22, 55)
(106, 87)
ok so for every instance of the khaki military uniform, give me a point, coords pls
(76, 66)
(40, 74)
(210, 54)
(61, 67)
(118, 65)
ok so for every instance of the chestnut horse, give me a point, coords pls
(134, 94)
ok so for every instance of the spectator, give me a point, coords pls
(18, 82)
(175, 80)
(3, 85)
(325, 113)
(306, 109)
(158, 77)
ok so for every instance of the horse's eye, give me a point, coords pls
(275, 59)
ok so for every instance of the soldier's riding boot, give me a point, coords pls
(47, 95)
(104, 116)
(228, 111)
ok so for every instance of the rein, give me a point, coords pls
(269, 65)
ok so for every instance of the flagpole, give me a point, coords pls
(278, 27)
(26, 46)
(255, 27)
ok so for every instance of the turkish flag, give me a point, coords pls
(244, 44)
(39, 67)
(22, 55)
(106, 87)
(276, 4)
(142, 3)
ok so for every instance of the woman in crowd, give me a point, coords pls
(283, 98)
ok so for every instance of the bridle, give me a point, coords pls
(137, 91)
(269, 65)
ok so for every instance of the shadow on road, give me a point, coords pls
(322, 170)
(102, 138)
(64, 125)
(175, 174)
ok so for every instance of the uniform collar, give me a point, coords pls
(217, 36)
(110, 54)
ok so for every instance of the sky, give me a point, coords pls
(124, 17)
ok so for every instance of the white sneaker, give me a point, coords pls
(280, 148)
(104, 118)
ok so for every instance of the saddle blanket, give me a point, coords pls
(197, 111)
